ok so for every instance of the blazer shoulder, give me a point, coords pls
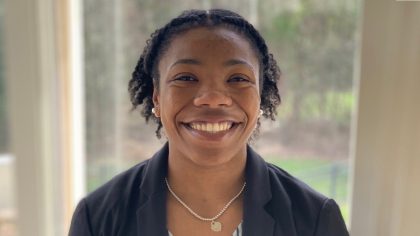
(109, 205)
(312, 212)
(295, 189)
(119, 190)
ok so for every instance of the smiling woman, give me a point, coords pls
(207, 78)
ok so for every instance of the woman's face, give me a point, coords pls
(208, 98)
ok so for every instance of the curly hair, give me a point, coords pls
(145, 76)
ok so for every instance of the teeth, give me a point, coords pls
(211, 127)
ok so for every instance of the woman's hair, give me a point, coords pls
(146, 76)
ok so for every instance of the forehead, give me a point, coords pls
(205, 43)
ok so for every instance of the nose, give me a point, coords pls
(213, 98)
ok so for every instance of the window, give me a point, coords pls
(314, 44)
(8, 212)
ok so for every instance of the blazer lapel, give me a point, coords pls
(257, 221)
(266, 213)
(151, 214)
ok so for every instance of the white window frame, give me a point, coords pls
(44, 87)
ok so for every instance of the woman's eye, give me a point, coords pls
(238, 79)
(185, 78)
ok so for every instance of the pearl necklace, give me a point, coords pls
(216, 226)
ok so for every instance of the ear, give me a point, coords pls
(156, 97)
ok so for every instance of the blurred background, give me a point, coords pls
(313, 42)
(66, 126)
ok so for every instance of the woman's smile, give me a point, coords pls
(211, 131)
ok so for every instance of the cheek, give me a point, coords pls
(177, 97)
(172, 102)
(249, 101)
(254, 105)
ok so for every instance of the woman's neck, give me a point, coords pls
(211, 186)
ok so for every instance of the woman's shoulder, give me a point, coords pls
(311, 211)
(294, 188)
(109, 205)
(302, 198)
(119, 189)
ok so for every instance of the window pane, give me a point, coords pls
(8, 212)
(314, 44)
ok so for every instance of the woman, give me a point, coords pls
(206, 77)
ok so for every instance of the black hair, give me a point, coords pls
(146, 76)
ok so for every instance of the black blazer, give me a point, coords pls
(275, 204)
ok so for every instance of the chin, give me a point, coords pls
(213, 155)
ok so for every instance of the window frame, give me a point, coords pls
(44, 87)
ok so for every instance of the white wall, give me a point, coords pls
(386, 194)
(43, 79)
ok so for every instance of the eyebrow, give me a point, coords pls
(230, 62)
(188, 61)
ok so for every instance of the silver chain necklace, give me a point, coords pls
(214, 225)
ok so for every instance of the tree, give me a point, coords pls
(319, 43)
